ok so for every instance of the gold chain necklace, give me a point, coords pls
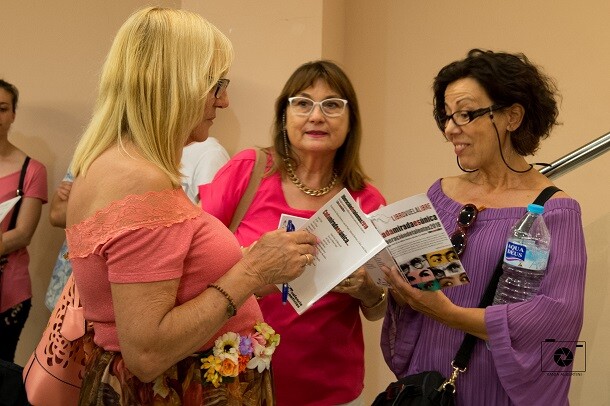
(311, 192)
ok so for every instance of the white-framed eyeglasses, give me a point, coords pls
(303, 106)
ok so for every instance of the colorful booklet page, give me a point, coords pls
(418, 245)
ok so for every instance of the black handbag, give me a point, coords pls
(12, 390)
(423, 389)
(430, 388)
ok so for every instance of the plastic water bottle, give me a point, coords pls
(525, 258)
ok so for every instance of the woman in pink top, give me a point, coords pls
(15, 284)
(165, 285)
(316, 137)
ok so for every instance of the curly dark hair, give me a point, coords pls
(12, 90)
(507, 79)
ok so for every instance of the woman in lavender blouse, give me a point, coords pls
(494, 108)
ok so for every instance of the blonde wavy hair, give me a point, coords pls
(153, 87)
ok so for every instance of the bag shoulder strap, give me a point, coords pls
(463, 355)
(24, 168)
(546, 195)
(255, 179)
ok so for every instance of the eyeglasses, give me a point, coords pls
(465, 219)
(221, 87)
(463, 117)
(303, 106)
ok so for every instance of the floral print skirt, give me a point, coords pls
(108, 382)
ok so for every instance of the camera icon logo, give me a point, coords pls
(563, 356)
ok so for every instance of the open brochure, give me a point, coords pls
(5, 207)
(347, 239)
(418, 245)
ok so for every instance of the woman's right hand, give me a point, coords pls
(280, 256)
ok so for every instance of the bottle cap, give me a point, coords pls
(535, 208)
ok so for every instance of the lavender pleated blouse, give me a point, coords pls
(517, 366)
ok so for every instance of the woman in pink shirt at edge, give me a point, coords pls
(166, 286)
(15, 283)
(315, 153)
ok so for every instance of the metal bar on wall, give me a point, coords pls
(577, 157)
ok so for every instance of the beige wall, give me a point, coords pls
(264, 39)
(391, 49)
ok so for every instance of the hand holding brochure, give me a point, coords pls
(418, 245)
(5, 207)
(347, 239)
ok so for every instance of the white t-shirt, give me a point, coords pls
(200, 162)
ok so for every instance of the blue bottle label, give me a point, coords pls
(514, 252)
(518, 255)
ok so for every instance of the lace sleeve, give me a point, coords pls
(149, 210)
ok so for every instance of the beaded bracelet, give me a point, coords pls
(232, 307)
(377, 303)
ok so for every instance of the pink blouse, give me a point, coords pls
(321, 357)
(16, 285)
(152, 237)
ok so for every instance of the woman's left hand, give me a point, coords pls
(436, 305)
(430, 303)
(360, 286)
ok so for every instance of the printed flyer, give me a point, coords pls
(347, 240)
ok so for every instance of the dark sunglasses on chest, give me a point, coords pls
(465, 219)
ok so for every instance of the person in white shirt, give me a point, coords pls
(200, 162)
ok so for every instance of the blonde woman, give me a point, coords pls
(165, 285)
